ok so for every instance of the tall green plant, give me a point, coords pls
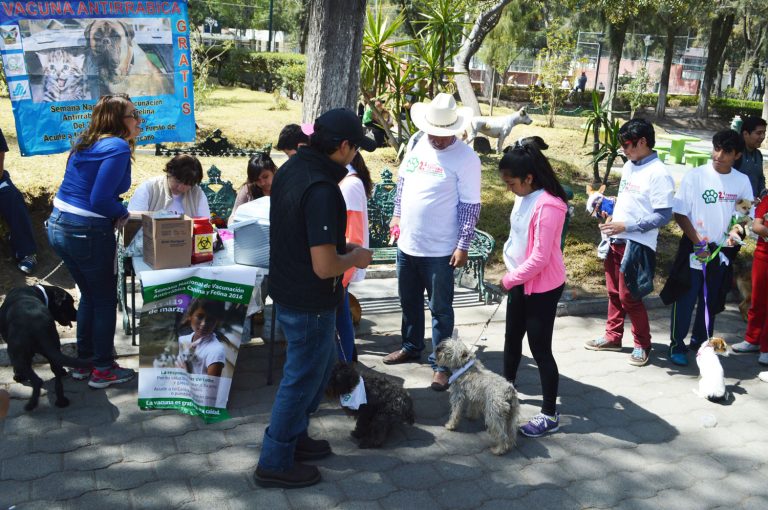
(554, 65)
(606, 145)
(637, 91)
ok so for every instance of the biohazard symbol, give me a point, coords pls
(204, 243)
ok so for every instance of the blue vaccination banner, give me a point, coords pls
(61, 56)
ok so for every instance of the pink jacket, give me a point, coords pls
(543, 269)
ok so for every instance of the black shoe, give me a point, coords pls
(300, 475)
(311, 449)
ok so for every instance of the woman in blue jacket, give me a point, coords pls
(86, 210)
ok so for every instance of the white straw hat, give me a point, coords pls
(441, 117)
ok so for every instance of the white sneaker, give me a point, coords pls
(763, 359)
(763, 376)
(745, 347)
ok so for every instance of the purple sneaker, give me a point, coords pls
(541, 424)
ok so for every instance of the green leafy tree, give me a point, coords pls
(554, 65)
(637, 90)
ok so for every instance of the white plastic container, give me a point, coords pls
(250, 226)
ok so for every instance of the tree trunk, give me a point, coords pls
(489, 80)
(719, 77)
(303, 28)
(765, 101)
(335, 47)
(483, 25)
(669, 52)
(722, 26)
(616, 36)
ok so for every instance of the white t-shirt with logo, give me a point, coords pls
(519, 226)
(709, 199)
(642, 189)
(434, 184)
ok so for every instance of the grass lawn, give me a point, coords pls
(244, 116)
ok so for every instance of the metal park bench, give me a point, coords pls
(380, 208)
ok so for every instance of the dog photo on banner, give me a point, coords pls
(191, 329)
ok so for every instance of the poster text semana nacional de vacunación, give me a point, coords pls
(61, 56)
(191, 331)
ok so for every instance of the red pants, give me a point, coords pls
(757, 317)
(621, 303)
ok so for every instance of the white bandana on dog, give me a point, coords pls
(460, 371)
(45, 294)
(355, 398)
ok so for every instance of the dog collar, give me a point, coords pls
(45, 294)
(460, 371)
(355, 398)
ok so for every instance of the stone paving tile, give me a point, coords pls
(30, 466)
(203, 441)
(148, 449)
(260, 498)
(323, 495)
(234, 458)
(15, 445)
(408, 499)
(66, 485)
(65, 439)
(162, 494)
(367, 485)
(125, 475)
(414, 476)
(14, 492)
(93, 457)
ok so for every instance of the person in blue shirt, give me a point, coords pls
(81, 229)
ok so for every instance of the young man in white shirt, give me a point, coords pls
(643, 205)
(436, 209)
(704, 207)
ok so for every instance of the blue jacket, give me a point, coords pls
(95, 177)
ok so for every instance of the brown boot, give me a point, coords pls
(401, 356)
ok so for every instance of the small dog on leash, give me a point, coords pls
(601, 207)
(712, 381)
(27, 324)
(480, 392)
(742, 274)
(386, 403)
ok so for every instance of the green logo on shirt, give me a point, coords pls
(709, 196)
(410, 165)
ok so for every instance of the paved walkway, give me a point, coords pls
(630, 437)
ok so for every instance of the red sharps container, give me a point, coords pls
(202, 241)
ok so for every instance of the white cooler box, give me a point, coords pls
(250, 226)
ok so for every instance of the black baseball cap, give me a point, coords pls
(343, 124)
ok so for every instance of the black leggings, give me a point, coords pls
(534, 314)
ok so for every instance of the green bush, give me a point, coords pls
(684, 100)
(726, 108)
(292, 78)
(262, 69)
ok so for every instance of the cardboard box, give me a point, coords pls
(167, 240)
(132, 226)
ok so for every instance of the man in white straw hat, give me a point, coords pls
(436, 209)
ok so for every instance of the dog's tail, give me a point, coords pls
(56, 357)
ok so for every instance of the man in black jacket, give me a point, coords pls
(308, 255)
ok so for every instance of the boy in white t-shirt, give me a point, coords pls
(643, 205)
(704, 206)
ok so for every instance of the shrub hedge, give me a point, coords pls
(260, 70)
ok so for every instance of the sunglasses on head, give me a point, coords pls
(134, 114)
(629, 143)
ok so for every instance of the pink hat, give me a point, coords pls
(308, 128)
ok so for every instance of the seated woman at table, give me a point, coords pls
(177, 191)
(203, 351)
(261, 170)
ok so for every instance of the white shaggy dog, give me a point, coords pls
(497, 127)
(712, 382)
(480, 392)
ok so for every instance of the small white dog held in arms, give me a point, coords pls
(480, 392)
(497, 127)
(712, 382)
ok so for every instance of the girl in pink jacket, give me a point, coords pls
(535, 271)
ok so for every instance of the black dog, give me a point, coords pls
(27, 324)
(387, 405)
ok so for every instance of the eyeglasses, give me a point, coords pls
(134, 114)
(628, 143)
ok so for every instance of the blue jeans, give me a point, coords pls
(310, 356)
(414, 276)
(14, 211)
(682, 309)
(345, 330)
(88, 247)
